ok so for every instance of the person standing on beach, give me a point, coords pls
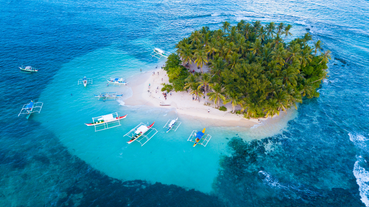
(208, 110)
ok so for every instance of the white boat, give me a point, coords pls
(173, 124)
(31, 108)
(85, 81)
(164, 104)
(158, 53)
(117, 81)
(106, 121)
(142, 133)
(28, 69)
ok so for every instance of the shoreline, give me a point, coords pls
(182, 102)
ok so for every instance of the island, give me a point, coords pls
(248, 71)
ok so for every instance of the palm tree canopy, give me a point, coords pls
(251, 66)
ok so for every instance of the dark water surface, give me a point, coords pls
(320, 159)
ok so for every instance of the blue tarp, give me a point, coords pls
(199, 135)
(116, 79)
(30, 105)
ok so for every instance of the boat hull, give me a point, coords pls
(198, 139)
(30, 71)
(96, 124)
(142, 133)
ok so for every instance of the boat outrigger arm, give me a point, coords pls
(30, 108)
(199, 137)
(141, 133)
(106, 121)
(173, 124)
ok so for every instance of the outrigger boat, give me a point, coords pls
(158, 53)
(31, 108)
(106, 121)
(28, 69)
(108, 95)
(140, 132)
(117, 81)
(173, 124)
(85, 81)
(199, 138)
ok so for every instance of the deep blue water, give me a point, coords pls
(320, 159)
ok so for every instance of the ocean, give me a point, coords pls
(314, 156)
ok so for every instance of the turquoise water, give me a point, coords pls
(319, 158)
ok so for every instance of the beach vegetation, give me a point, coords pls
(222, 108)
(252, 66)
(167, 87)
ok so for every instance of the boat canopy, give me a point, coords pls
(30, 105)
(141, 129)
(108, 117)
(28, 68)
(199, 135)
(109, 121)
(159, 50)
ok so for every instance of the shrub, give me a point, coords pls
(167, 87)
(222, 108)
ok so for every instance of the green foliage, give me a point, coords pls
(177, 73)
(167, 87)
(222, 108)
(251, 67)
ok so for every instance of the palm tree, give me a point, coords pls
(280, 28)
(217, 94)
(200, 58)
(233, 97)
(186, 54)
(317, 46)
(196, 90)
(306, 56)
(270, 29)
(196, 37)
(294, 53)
(226, 26)
(326, 57)
(281, 99)
(255, 47)
(191, 82)
(271, 108)
(211, 48)
(287, 30)
(204, 82)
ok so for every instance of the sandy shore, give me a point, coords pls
(146, 90)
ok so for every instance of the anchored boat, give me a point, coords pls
(106, 121)
(173, 124)
(158, 53)
(141, 133)
(28, 69)
(117, 81)
(108, 95)
(30, 108)
(85, 81)
(199, 137)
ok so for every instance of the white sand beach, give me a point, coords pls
(146, 90)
